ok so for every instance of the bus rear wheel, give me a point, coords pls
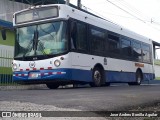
(138, 79)
(97, 77)
(52, 86)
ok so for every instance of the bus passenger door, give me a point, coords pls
(79, 46)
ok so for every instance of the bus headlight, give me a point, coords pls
(14, 66)
(57, 63)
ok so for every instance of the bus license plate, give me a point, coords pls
(34, 75)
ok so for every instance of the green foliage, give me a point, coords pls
(10, 38)
(157, 78)
(157, 62)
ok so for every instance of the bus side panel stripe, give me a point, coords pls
(114, 76)
(82, 75)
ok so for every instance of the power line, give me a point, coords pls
(125, 11)
(144, 21)
(136, 11)
(132, 9)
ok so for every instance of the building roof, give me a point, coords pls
(40, 2)
(6, 24)
(156, 43)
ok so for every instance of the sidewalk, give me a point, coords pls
(151, 82)
(26, 87)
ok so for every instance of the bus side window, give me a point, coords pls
(78, 36)
(81, 36)
(97, 37)
(113, 44)
(137, 52)
(73, 34)
(126, 47)
(146, 53)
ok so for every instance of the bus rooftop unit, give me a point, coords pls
(58, 45)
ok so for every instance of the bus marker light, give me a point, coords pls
(34, 68)
(41, 68)
(62, 58)
(49, 68)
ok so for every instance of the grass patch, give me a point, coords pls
(157, 78)
(8, 84)
(157, 62)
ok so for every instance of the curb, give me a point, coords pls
(43, 86)
(23, 87)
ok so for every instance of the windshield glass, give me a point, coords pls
(42, 39)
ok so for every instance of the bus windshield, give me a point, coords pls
(42, 39)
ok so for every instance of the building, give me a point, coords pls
(7, 8)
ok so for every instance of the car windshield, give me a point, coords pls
(42, 39)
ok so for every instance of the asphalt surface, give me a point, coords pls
(115, 97)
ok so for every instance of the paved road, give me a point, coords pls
(120, 97)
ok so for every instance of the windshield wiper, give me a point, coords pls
(41, 48)
(28, 46)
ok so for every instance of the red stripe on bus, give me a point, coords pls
(34, 68)
(50, 73)
(58, 72)
(49, 67)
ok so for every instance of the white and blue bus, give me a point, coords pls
(59, 44)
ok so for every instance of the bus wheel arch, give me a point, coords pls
(98, 76)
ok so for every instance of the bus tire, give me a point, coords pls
(52, 86)
(107, 84)
(138, 79)
(97, 77)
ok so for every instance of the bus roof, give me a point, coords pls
(66, 12)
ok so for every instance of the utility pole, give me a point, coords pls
(67, 2)
(79, 4)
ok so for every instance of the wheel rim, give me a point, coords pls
(97, 77)
(139, 79)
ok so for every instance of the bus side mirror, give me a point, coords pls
(3, 32)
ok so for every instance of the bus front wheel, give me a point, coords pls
(97, 77)
(52, 86)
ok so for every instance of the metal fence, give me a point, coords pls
(6, 57)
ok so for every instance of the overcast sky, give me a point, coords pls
(136, 14)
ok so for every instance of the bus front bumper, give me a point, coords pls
(54, 75)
